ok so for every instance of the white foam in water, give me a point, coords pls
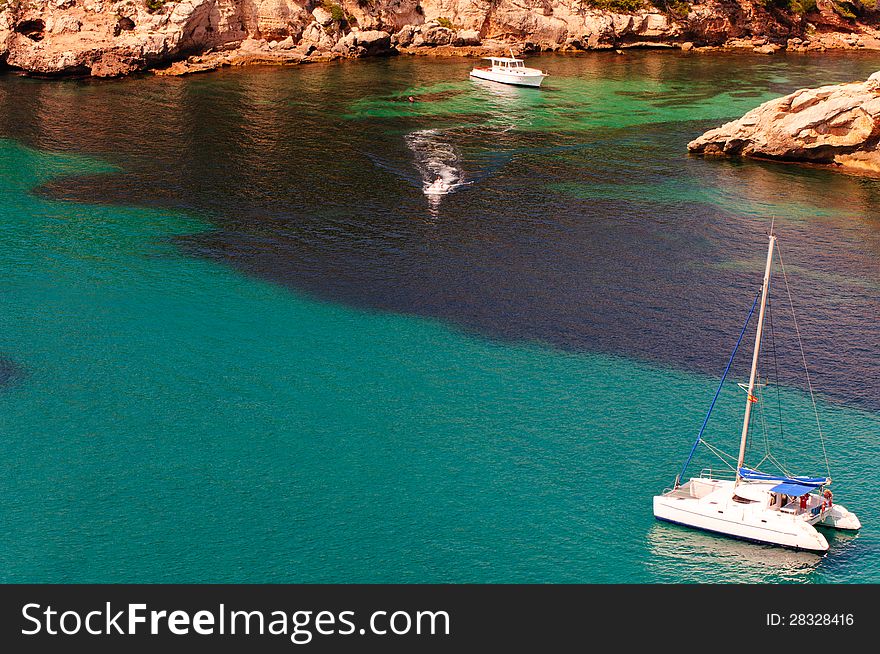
(437, 162)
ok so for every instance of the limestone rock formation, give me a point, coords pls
(115, 37)
(838, 125)
(106, 39)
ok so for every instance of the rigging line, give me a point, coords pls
(759, 349)
(764, 429)
(775, 370)
(718, 390)
(756, 416)
(772, 459)
(779, 465)
(719, 454)
(759, 394)
(804, 359)
(717, 450)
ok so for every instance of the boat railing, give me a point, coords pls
(715, 473)
(682, 491)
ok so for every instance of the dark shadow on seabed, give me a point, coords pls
(586, 226)
(279, 439)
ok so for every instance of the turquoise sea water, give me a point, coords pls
(248, 348)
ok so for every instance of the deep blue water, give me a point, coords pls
(241, 342)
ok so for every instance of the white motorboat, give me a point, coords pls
(509, 70)
(777, 509)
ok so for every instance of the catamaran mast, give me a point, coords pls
(750, 398)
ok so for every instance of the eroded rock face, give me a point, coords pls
(109, 39)
(838, 125)
(364, 43)
(106, 37)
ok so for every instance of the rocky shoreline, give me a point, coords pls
(102, 38)
(836, 126)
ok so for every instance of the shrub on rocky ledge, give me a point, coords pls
(616, 5)
(848, 10)
(337, 13)
(153, 6)
(803, 6)
(799, 7)
(675, 8)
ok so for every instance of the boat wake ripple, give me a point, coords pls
(438, 163)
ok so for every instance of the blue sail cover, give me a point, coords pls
(795, 490)
(811, 482)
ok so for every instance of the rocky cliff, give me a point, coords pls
(835, 125)
(105, 38)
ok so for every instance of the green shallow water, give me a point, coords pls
(179, 419)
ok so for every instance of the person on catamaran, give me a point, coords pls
(827, 501)
(803, 503)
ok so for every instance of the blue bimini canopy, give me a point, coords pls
(795, 490)
(754, 475)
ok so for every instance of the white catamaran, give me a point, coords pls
(766, 508)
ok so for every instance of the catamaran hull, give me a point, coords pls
(790, 534)
(509, 78)
(743, 538)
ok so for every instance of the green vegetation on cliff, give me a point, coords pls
(676, 8)
(154, 5)
(800, 7)
(848, 10)
(337, 13)
(616, 5)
